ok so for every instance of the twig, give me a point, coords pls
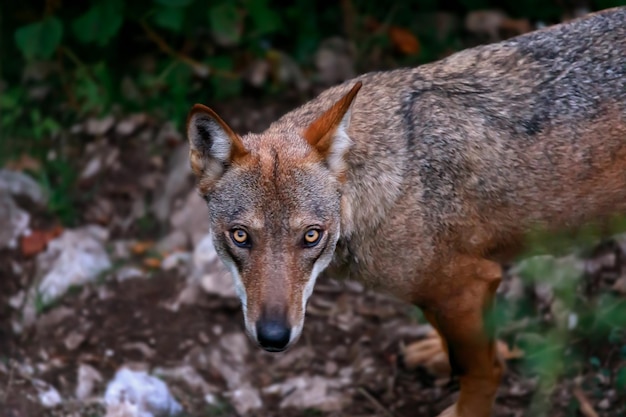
(375, 402)
(349, 14)
(197, 66)
(585, 405)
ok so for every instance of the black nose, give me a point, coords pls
(272, 335)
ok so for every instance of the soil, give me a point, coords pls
(349, 331)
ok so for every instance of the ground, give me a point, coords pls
(349, 353)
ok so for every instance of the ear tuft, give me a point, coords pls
(213, 144)
(328, 133)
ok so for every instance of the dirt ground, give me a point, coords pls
(350, 351)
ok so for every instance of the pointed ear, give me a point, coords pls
(328, 134)
(213, 144)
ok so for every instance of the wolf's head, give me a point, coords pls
(274, 204)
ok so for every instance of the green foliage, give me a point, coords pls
(265, 20)
(39, 40)
(226, 22)
(174, 3)
(557, 342)
(169, 17)
(100, 23)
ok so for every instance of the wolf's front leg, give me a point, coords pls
(456, 308)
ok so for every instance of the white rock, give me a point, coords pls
(137, 394)
(75, 258)
(131, 123)
(210, 271)
(232, 374)
(189, 376)
(129, 272)
(50, 397)
(13, 222)
(245, 399)
(310, 392)
(176, 183)
(192, 218)
(175, 259)
(18, 183)
(88, 377)
(97, 127)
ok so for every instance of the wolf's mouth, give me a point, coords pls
(273, 349)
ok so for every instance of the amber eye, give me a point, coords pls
(312, 237)
(240, 237)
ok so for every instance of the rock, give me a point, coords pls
(287, 71)
(20, 184)
(258, 72)
(192, 218)
(76, 257)
(234, 373)
(87, 379)
(335, 60)
(74, 339)
(135, 393)
(131, 123)
(245, 399)
(104, 156)
(310, 392)
(13, 222)
(169, 134)
(177, 240)
(48, 395)
(129, 272)
(237, 345)
(176, 259)
(98, 127)
(490, 22)
(176, 183)
(210, 271)
(190, 377)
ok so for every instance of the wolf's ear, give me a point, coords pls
(328, 133)
(213, 144)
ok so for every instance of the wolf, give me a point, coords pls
(420, 182)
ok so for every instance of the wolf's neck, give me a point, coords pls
(370, 192)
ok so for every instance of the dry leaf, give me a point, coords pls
(585, 405)
(141, 247)
(152, 262)
(620, 285)
(506, 353)
(24, 162)
(429, 353)
(403, 40)
(38, 240)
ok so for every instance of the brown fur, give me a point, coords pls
(424, 178)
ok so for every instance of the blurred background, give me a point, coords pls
(105, 260)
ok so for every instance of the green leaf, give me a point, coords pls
(169, 17)
(174, 3)
(100, 23)
(225, 21)
(222, 87)
(620, 379)
(264, 19)
(40, 39)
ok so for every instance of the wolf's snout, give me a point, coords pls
(273, 335)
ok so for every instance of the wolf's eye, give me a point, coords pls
(312, 237)
(240, 238)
